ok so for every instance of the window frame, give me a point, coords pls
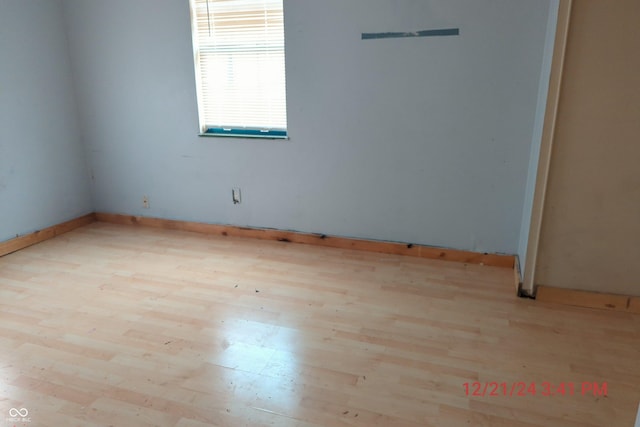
(208, 130)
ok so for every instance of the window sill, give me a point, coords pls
(245, 133)
(219, 135)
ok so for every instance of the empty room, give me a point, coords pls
(320, 213)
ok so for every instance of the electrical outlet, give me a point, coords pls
(235, 195)
(145, 202)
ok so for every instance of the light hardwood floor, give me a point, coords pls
(113, 325)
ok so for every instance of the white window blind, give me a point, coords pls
(239, 53)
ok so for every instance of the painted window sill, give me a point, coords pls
(245, 133)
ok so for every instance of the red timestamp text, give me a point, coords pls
(544, 388)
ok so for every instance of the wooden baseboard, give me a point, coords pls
(578, 298)
(22, 242)
(517, 276)
(409, 249)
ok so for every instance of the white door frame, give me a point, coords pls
(546, 146)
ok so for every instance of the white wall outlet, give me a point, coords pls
(145, 202)
(235, 195)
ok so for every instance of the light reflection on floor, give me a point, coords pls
(248, 351)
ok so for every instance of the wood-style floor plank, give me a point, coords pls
(131, 326)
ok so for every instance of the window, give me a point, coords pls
(240, 71)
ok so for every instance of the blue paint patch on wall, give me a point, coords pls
(424, 33)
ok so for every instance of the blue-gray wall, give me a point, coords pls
(424, 140)
(43, 177)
